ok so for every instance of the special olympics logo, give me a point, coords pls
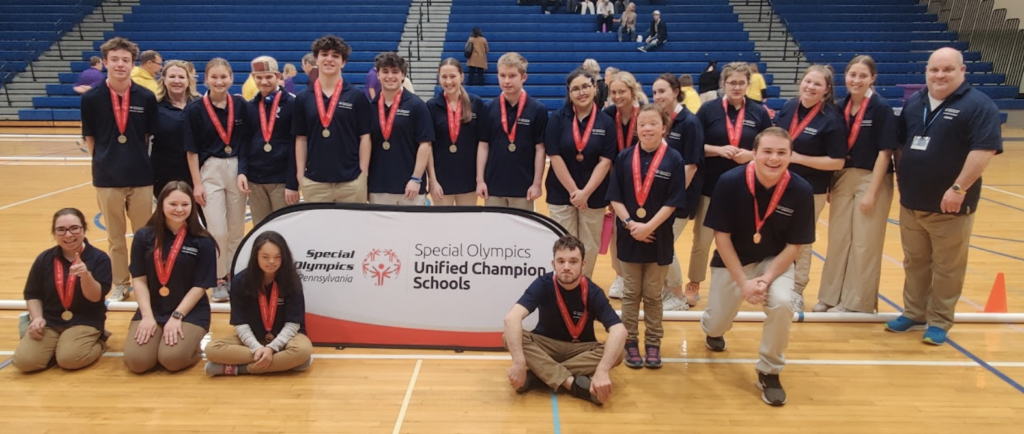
(381, 264)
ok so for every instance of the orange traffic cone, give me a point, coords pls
(997, 298)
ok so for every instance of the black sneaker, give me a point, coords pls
(771, 389)
(581, 389)
(532, 382)
(715, 344)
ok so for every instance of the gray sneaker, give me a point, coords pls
(798, 303)
(222, 292)
(23, 323)
(771, 389)
(119, 293)
(615, 291)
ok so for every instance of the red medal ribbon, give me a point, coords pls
(163, 271)
(629, 132)
(224, 135)
(325, 118)
(120, 107)
(575, 329)
(797, 129)
(387, 125)
(735, 132)
(642, 191)
(454, 121)
(267, 124)
(504, 116)
(268, 308)
(855, 128)
(65, 291)
(780, 188)
(581, 142)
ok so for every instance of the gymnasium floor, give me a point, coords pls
(841, 378)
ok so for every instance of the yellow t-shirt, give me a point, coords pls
(143, 78)
(249, 89)
(690, 99)
(757, 84)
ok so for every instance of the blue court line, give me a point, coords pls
(996, 238)
(1000, 203)
(554, 411)
(98, 223)
(6, 363)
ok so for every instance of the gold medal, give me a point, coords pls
(122, 139)
(453, 148)
(579, 157)
(227, 149)
(267, 147)
(641, 213)
(386, 145)
(511, 147)
(269, 337)
(757, 238)
(165, 291)
(327, 133)
(67, 315)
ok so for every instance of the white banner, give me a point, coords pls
(411, 276)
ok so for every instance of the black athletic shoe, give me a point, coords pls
(532, 382)
(581, 389)
(715, 344)
(771, 389)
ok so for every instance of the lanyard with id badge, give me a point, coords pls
(920, 143)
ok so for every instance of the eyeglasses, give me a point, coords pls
(736, 83)
(586, 88)
(74, 230)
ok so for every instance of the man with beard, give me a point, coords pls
(562, 350)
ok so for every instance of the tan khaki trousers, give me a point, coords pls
(230, 351)
(224, 210)
(703, 236)
(74, 348)
(643, 282)
(464, 199)
(803, 258)
(554, 361)
(353, 191)
(397, 199)
(585, 225)
(674, 278)
(137, 202)
(509, 202)
(935, 250)
(142, 358)
(265, 199)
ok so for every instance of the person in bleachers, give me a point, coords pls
(91, 77)
(608, 73)
(460, 123)
(757, 90)
(331, 124)
(289, 72)
(686, 136)
(249, 89)
(510, 161)
(622, 5)
(819, 149)
(581, 146)
(605, 16)
(117, 118)
(401, 135)
(217, 128)
(730, 126)
(627, 23)
(477, 62)
(310, 69)
(690, 97)
(709, 82)
(860, 197)
(150, 64)
(626, 96)
(266, 165)
(553, 4)
(371, 86)
(601, 96)
(175, 90)
(657, 35)
(948, 133)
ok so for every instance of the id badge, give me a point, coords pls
(920, 143)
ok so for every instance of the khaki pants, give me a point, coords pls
(708, 96)
(74, 348)
(935, 260)
(353, 191)
(464, 199)
(853, 265)
(803, 258)
(554, 361)
(230, 351)
(703, 236)
(113, 203)
(643, 281)
(674, 278)
(225, 208)
(142, 358)
(397, 199)
(724, 303)
(265, 199)
(509, 202)
(585, 225)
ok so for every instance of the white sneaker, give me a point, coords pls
(821, 307)
(838, 309)
(119, 293)
(798, 303)
(222, 292)
(669, 302)
(615, 291)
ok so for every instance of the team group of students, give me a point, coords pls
(654, 166)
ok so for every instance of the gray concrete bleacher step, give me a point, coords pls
(771, 38)
(428, 18)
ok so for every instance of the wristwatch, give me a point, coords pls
(958, 190)
(177, 315)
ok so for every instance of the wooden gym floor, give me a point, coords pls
(841, 378)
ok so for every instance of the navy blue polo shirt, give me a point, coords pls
(41, 286)
(457, 172)
(712, 118)
(390, 170)
(201, 135)
(732, 211)
(966, 121)
(245, 309)
(196, 266)
(687, 137)
(824, 136)
(559, 141)
(115, 164)
(335, 158)
(168, 157)
(668, 189)
(877, 133)
(278, 165)
(629, 141)
(541, 295)
(507, 173)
